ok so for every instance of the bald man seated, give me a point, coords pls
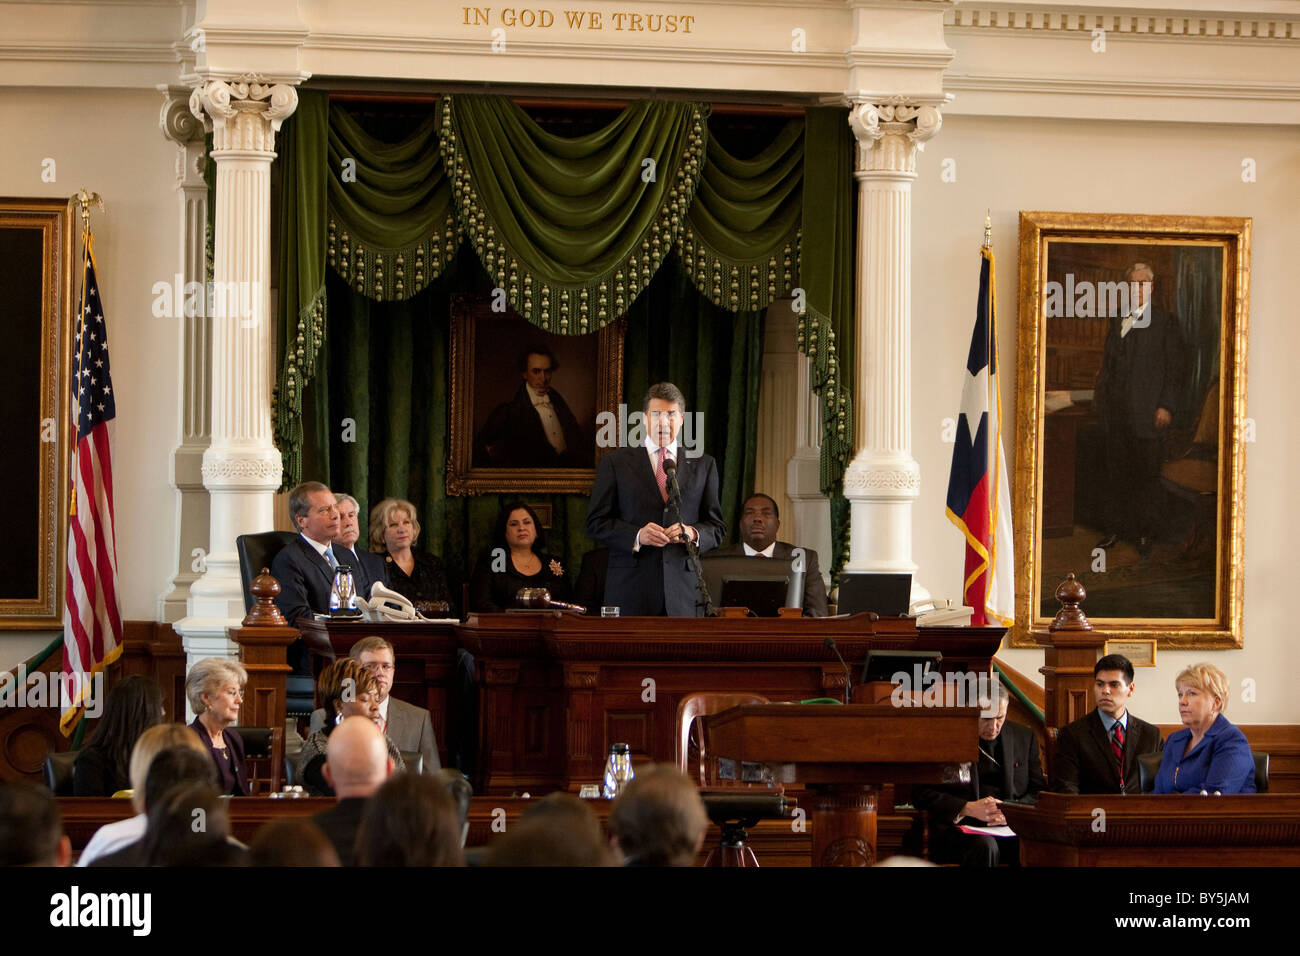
(356, 765)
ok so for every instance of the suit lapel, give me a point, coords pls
(1008, 765)
(1102, 739)
(317, 561)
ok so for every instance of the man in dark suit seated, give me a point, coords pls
(536, 428)
(1008, 769)
(648, 570)
(1098, 753)
(760, 519)
(356, 765)
(409, 727)
(305, 566)
(367, 567)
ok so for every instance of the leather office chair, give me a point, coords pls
(257, 551)
(692, 733)
(1149, 766)
(263, 758)
(58, 772)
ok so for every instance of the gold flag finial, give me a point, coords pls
(85, 200)
(988, 230)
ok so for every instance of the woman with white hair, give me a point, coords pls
(1210, 754)
(215, 689)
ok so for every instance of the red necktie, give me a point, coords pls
(1117, 745)
(661, 479)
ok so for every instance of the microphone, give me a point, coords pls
(848, 675)
(670, 482)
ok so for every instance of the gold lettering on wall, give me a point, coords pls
(544, 18)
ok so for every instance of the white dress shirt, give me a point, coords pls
(550, 421)
(767, 552)
(1131, 319)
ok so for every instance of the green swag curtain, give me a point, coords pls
(574, 229)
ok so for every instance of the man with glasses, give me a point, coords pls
(409, 727)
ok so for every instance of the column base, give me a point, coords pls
(880, 490)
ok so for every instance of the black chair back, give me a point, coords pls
(58, 772)
(1261, 771)
(1148, 767)
(257, 551)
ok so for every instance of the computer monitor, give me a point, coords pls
(883, 665)
(764, 585)
(888, 595)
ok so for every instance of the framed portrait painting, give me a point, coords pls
(1131, 425)
(36, 267)
(525, 402)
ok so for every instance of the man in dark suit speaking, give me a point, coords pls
(536, 428)
(649, 573)
(1098, 753)
(759, 522)
(1136, 400)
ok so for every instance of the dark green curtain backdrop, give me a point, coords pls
(384, 216)
(381, 423)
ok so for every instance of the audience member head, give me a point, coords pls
(133, 706)
(349, 526)
(1202, 695)
(356, 758)
(346, 689)
(153, 742)
(188, 826)
(665, 410)
(518, 526)
(760, 519)
(173, 766)
(313, 512)
(291, 841)
(394, 526)
(215, 687)
(558, 830)
(993, 712)
(31, 827)
(1113, 684)
(659, 818)
(410, 821)
(376, 655)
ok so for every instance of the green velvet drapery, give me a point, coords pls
(573, 228)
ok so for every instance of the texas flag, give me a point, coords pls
(979, 497)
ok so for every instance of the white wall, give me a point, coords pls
(1010, 164)
(109, 142)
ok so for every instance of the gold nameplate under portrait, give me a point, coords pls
(1131, 424)
(1139, 653)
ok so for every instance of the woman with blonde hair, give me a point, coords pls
(214, 688)
(416, 575)
(1210, 754)
(114, 836)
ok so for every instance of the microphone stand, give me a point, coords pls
(692, 549)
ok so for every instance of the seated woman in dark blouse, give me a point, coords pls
(103, 766)
(517, 559)
(344, 689)
(214, 687)
(416, 575)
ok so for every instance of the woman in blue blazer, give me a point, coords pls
(1210, 754)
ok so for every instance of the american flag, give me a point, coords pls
(92, 619)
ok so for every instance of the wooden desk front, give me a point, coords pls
(1093, 830)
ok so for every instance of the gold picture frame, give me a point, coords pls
(487, 386)
(1143, 503)
(36, 268)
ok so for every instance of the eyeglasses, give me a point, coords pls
(377, 667)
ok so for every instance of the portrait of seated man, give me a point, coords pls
(536, 428)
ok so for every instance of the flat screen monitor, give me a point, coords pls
(888, 595)
(883, 665)
(764, 585)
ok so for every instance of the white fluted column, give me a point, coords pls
(184, 129)
(241, 467)
(884, 479)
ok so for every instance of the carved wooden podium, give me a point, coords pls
(842, 753)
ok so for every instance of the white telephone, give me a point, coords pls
(386, 604)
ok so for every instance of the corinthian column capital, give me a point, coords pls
(890, 132)
(244, 113)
